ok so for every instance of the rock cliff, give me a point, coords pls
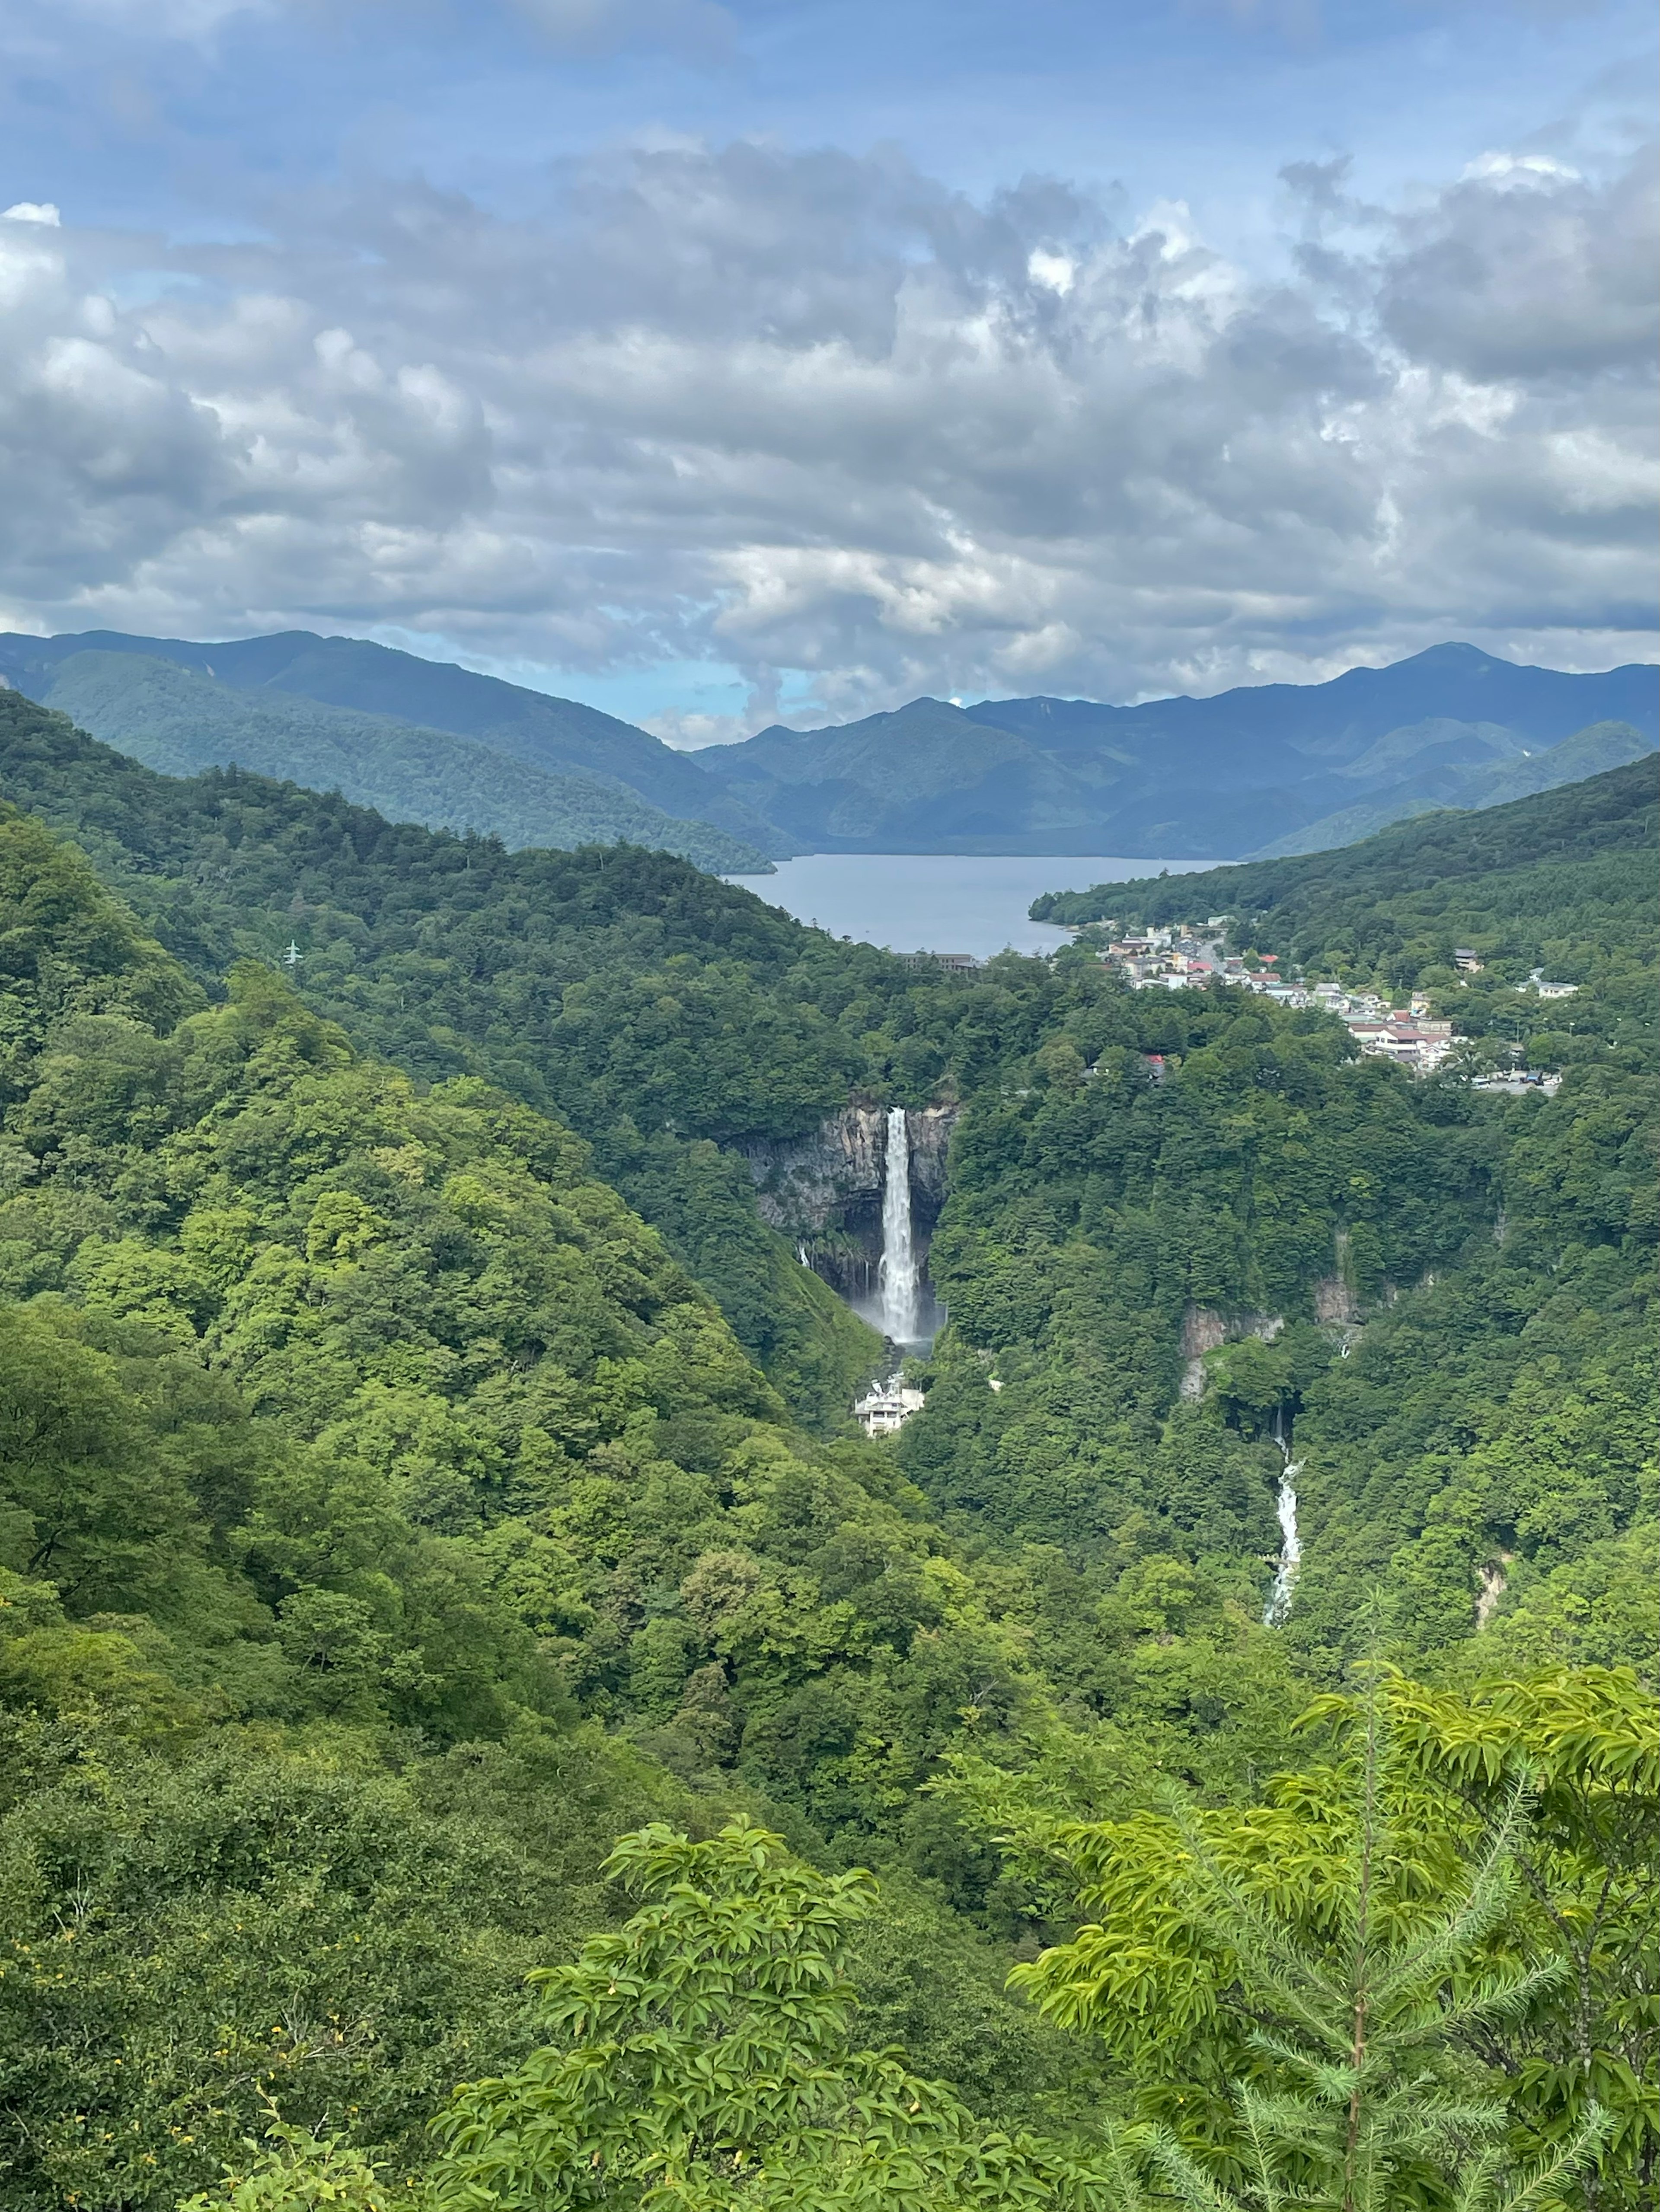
(807, 1186)
(824, 1190)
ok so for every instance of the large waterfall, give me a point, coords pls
(1290, 1544)
(897, 1280)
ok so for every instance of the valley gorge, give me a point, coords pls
(437, 1549)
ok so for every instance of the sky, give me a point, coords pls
(725, 363)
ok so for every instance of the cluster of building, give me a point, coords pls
(1187, 959)
(1408, 1033)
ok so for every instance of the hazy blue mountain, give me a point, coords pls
(556, 736)
(1177, 778)
(1493, 783)
(923, 779)
(180, 720)
(1270, 768)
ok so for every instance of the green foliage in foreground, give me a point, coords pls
(702, 2062)
(1429, 1954)
(1350, 1996)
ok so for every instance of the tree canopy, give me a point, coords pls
(483, 1726)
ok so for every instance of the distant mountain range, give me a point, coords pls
(1260, 771)
(421, 740)
(1266, 768)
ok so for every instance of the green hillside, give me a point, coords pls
(1562, 882)
(227, 865)
(1493, 783)
(348, 1430)
(179, 722)
(391, 1521)
(558, 737)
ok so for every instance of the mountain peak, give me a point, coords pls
(1173, 779)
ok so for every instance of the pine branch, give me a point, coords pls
(1192, 2187)
(1481, 1908)
(1541, 2185)
(1501, 1998)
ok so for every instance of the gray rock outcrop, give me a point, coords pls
(808, 1186)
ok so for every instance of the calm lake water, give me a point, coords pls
(940, 901)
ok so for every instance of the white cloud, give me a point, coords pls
(1556, 279)
(811, 412)
(1054, 271)
(41, 211)
(1517, 169)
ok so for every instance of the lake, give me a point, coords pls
(940, 901)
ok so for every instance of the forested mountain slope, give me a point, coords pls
(1486, 783)
(392, 1521)
(181, 722)
(340, 1420)
(552, 736)
(636, 993)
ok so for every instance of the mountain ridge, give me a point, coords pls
(1256, 769)
(549, 735)
(180, 719)
(1473, 789)
(1178, 778)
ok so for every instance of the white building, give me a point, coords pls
(887, 1407)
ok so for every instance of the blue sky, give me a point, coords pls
(712, 363)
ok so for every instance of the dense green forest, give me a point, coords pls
(657, 1007)
(456, 1656)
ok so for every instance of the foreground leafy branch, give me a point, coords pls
(701, 2060)
(1323, 2006)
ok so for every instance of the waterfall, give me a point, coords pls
(1290, 1548)
(1290, 1544)
(896, 1277)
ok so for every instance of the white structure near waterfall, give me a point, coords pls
(887, 1408)
(898, 1280)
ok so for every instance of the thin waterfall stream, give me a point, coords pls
(1290, 1544)
(898, 1283)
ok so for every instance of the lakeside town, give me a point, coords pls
(1189, 956)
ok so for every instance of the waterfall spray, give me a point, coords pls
(896, 1278)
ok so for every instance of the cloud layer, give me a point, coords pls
(813, 413)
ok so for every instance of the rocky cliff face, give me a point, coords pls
(825, 1190)
(930, 1136)
(805, 1186)
(1204, 1329)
